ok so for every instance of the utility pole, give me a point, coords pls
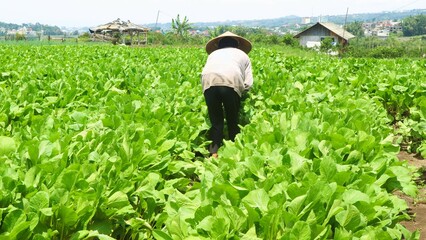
(344, 25)
(41, 32)
(156, 21)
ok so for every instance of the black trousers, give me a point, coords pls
(222, 103)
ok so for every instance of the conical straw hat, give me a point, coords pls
(243, 43)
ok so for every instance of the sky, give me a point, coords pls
(90, 13)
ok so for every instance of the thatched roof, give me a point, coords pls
(119, 26)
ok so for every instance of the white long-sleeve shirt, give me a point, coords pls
(230, 67)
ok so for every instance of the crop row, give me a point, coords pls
(108, 142)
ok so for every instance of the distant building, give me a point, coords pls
(313, 36)
(382, 29)
(306, 20)
(22, 31)
(323, 19)
(395, 27)
(383, 33)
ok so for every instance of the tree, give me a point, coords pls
(288, 39)
(239, 30)
(181, 27)
(355, 28)
(218, 30)
(20, 37)
(414, 25)
(326, 44)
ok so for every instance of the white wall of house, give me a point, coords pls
(312, 41)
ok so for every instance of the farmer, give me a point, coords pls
(226, 76)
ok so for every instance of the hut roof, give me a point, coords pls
(119, 26)
(333, 28)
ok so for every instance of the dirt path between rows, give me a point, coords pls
(417, 205)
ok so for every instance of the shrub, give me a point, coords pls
(386, 52)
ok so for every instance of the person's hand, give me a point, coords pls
(246, 87)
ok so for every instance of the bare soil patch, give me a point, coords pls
(417, 205)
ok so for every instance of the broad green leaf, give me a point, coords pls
(39, 201)
(342, 234)
(160, 235)
(47, 212)
(206, 224)
(301, 140)
(335, 208)
(101, 226)
(18, 229)
(137, 104)
(404, 177)
(399, 88)
(353, 196)
(323, 147)
(350, 218)
(256, 166)
(118, 200)
(67, 179)
(257, 199)
(88, 234)
(299, 85)
(328, 168)
(79, 117)
(13, 219)
(187, 155)
(298, 164)
(250, 235)
(67, 216)
(284, 126)
(32, 177)
(300, 231)
(220, 228)
(296, 204)
(166, 145)
(354, 157)
(7, 145)
(34, 220)
(138, 223)
(225, 194)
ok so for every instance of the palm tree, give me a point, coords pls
(181, 27)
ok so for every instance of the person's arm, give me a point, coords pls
(248, 77)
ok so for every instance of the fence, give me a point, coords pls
(48, 38)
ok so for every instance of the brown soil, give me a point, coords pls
(417, 205)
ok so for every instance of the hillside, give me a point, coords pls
(36, 27)
(288, 20)
(266, 23)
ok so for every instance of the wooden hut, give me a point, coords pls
(109, 31)
(313, 35)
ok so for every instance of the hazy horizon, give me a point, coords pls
(92, 13)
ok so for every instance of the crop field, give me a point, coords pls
(109, 142)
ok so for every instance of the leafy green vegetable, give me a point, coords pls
(7, 145)
(108, 142)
